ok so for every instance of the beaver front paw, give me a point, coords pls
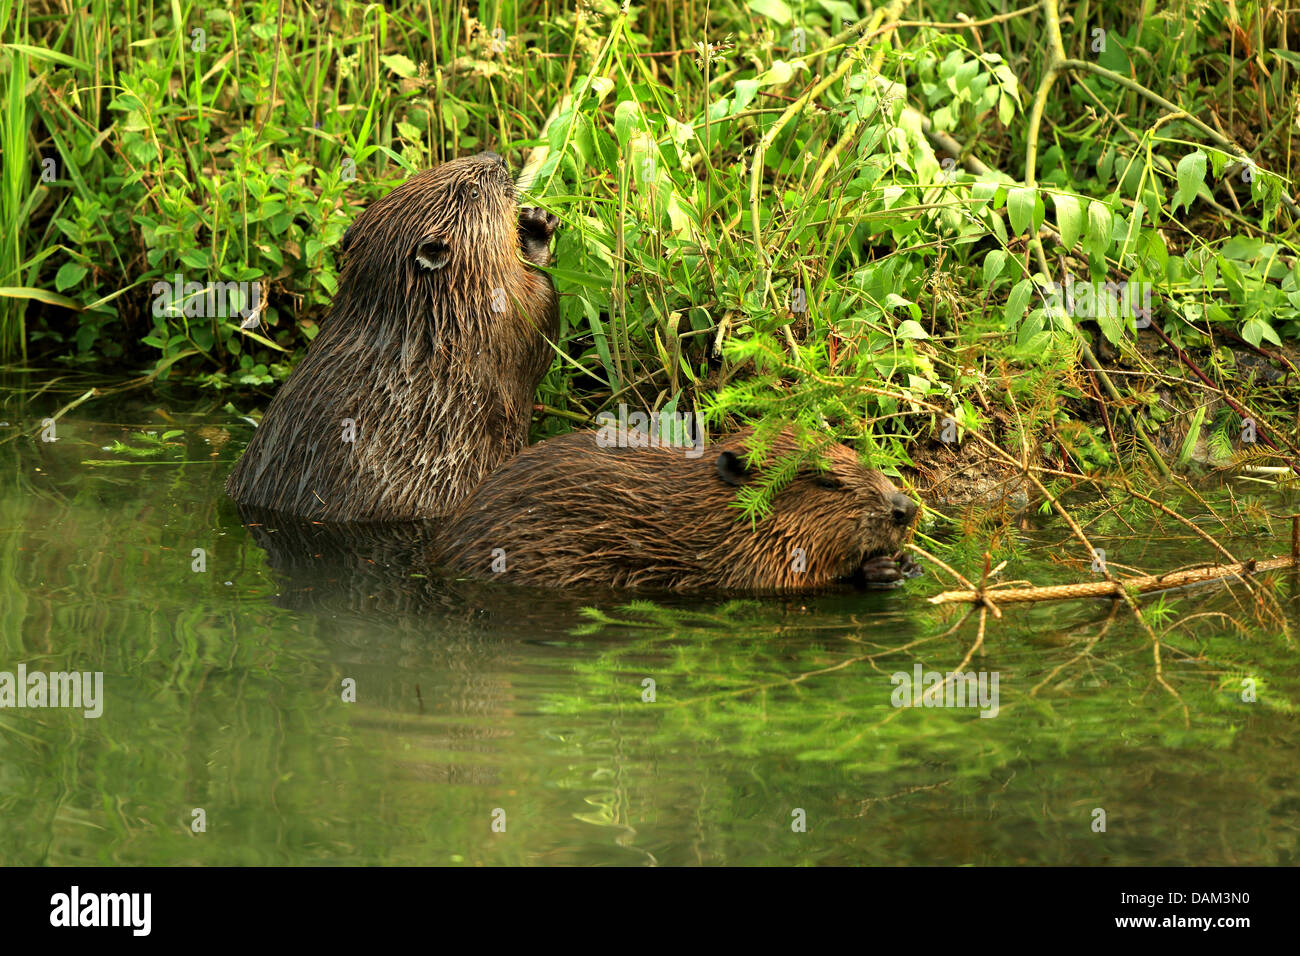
(889, 570)
(536, 226)
(537, 223)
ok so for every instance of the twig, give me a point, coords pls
(1140, 585)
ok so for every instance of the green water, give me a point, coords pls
(224, 691)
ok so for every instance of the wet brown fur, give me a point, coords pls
(437, 367)
(567, 512)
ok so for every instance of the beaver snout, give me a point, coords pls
(903, 509)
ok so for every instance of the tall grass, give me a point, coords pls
(15, 177)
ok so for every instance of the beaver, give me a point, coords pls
(567, 512)
(421, 379)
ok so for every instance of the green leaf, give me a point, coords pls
(843, 10)
(585, 279)
(1114, 57)
(1017, 301)
(1191, 174)
(1232, 278)
(893, 300)
(1106, 164)
(965, 74)
(1020, 208)
(69, 274)
(746, 90)
(982, 193)
(401, 65)
(1069, 218)
(1193, 433)
(1099, 228)
(776, 10)
(1256, 330)
(993, 265)
(601, 340)
(53, 56)
(1112, 324)
(627, 115)
(40, 295)
(1006, 108)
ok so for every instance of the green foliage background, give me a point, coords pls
(754, 221)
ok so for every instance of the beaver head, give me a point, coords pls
(841, 518)
(422, 377)
(570, 512)
(445, 235)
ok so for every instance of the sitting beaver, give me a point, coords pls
(422, 377)
(568, 512)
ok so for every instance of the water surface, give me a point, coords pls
(479, 705)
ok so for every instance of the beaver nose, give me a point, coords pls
(490, 156)
(904, 509)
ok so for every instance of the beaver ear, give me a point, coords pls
(731, 468)
(432, 254)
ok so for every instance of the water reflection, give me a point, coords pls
(225, 690)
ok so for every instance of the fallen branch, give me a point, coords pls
(1140, 585)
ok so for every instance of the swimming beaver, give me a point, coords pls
(568, 512)
(421, 379)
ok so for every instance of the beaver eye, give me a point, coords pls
(473, 192)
